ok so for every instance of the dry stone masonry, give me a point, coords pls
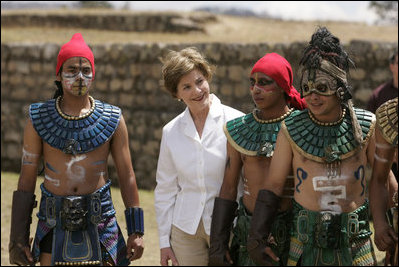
(129, 76)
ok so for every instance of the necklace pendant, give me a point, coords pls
(266, 150)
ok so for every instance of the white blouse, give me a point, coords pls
(190, 171)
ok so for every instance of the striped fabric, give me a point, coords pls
(41, 231)
(296, 250)
(112, 239)
(363, 253)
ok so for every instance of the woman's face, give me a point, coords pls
(193, 89)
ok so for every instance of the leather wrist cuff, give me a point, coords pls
(266, 206)
(134, 220)
(23, 204)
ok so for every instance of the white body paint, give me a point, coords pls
(383, 146)
(328, 200)
(29, 158)
(56, 182)
(75, 172)
(379, 158)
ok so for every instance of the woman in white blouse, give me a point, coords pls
(191, 161)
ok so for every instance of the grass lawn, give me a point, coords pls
(151, 252)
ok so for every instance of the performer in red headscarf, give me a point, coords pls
(72, 133)
(251, 142)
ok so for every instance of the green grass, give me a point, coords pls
(151, 252)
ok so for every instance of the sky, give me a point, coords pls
(289, 10)
(298, 10)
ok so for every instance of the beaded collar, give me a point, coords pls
(75, 135)
(326, 143)
(252, 136)
(387, 120)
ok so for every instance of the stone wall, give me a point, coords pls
(148, 22)
(129, 76)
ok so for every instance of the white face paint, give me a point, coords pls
(77, 84)
(29, 158)
(55, 182)
(331, 191)
(76, 172)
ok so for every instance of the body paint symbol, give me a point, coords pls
(303, 176)
(360, 174)
(56, 182)
(77, 172)
(98, 162)
(327, 186)
(51, 168)
(29, 158)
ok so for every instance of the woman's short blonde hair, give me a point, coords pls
(178, 64)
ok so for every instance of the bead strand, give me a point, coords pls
(327, 123)
(69, 117)
(282, 117)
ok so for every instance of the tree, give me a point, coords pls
(387, 11)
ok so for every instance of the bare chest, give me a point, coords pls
(67, 174)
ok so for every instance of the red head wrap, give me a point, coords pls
(76, 47)
(279, 69)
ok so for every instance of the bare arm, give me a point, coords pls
(231, 174)
(127, 183)
(23, 199)
(280, 166)
(379, 194)
(121, 155)
(31, 154)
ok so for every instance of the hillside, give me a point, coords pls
(230, 29)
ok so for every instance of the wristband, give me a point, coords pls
(134, 220)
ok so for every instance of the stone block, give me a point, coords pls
(236, 73)
(357, 74)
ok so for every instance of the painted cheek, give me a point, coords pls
(265, 89)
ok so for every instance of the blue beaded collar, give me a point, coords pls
(75, 136)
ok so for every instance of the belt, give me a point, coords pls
(96, 206)
(328, 230)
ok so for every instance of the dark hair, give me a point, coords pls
(393, 56)
(324, 45)
(58, 84)
(59, 91)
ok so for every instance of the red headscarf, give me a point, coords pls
(76, 47)
(279, 69)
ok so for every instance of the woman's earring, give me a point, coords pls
(179, 99)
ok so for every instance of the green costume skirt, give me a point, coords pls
(280, 232)
(323, 239)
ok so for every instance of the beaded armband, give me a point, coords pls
(134, 220)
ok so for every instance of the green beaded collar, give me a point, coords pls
(326, 143)
(252, 136)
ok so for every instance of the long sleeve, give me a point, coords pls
(165, 193)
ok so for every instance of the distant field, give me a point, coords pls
(230, 29)
(151, 251)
